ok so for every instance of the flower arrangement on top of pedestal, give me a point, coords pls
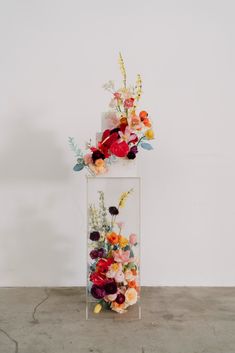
(125, 130)
(114, 267)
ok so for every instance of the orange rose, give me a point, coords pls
(143, 114)
(113, 238)
(147, 122)
(132, 284)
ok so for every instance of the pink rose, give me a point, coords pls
(133, 239)
(121, 256)
(87, 159)
(128, 103)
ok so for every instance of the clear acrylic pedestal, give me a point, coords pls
(113, 248)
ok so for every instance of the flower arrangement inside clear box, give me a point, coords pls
(113, 203)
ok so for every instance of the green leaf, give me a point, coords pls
(146, 146)
(78, 167)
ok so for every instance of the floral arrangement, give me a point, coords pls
(113, 278)
(127, 129)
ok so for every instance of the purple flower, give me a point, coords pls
(110, 288)
(97, 292)
(120, 298)
(94, 254)
(132, 153)
(95, 236)
(101, 252)
(113, 211)
(134, 149)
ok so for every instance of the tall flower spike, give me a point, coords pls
(138, 87)
(122, 68)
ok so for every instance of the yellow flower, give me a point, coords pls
(115, 267)
(123, 242)
(97, 308)
(138, 87)
(122, 68)
(149, 134)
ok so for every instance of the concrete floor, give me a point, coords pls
(174, 320)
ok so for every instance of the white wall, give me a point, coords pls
(54, 57)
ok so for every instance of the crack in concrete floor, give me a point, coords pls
(35, 320)
(11, 339)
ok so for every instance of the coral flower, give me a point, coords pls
(132, 284)
(131, 296)
(113, 238)
(123, 242)
(129, 102)
(143, 114)
(119, 308)
(146, 122)
(135, 122)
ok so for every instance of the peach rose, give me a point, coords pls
(131, 296)
(119, 308)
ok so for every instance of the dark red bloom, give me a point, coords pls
(131, 155)
(97, 292)
(120, 298)
(95, 236)
(94, 254)
(97, 155)
(110, 288)
(119, 149)
(113, 210)
(98, 278)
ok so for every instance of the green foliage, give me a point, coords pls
(74, 147)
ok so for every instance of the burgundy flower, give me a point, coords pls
(97, 155)
(131, 155)
(120, 298)
(97, 292)
(110, 288)
(134, 149)
(95, 236)
(94, 254)
(101, 252)
(113, 211)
